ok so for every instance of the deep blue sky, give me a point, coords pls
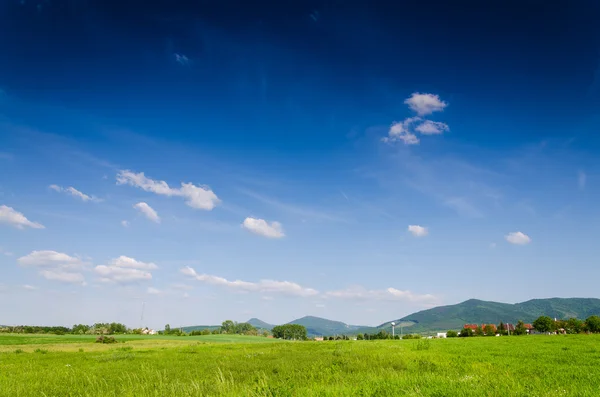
(282, 109)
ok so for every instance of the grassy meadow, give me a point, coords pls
(220, 365)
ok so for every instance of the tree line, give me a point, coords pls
(543, 324)
(77, 329)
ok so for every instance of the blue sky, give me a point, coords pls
(352, 161)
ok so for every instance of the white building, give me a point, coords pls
(441, 334)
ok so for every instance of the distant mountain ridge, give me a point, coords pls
(474, 311)
(444, 318)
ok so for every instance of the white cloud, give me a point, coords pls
(63, 276)
(418, 231)
(153, 291)
(49, 259)
(266, 286)
(12, 217)
(29, 287)
(199, 197)
(429, 127)
(389, 294)
(127, 262)
(581, 180)
(424, 104)
(75, 193)
(402, 131)
(125, 223)
(148, 211)
(263, 228)
(56, 266)
(517, 238)
(123, 270)
(121, 275)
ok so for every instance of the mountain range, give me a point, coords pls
(444, 318)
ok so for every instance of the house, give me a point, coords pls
(319, 338)
(147, 331)
(471, 326)
(492, 325)
(441, 335)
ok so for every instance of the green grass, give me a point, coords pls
(199, 366)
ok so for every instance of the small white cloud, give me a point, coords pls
(125, 261)
(418, 231)
(581, 180)
(265, 286)
(424, 104)
(429, 127)
(75, 193)
(121, 275)
(518, 238)
(14, 218)
(29, 287)
(148, 211)
(125, 223)
(63, 276)
(153, 291)
(389, 294)
(402, 131)
(124, 270)
(49, 259)
(199, 197)
(263, 228)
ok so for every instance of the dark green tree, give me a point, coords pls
(289, 332)
(592, 324)
(489, 330)
(466, 332)
(479, 331)
(451, 334)
(543, 324)
(360, 337)
(228, 327)
(574, 326)
(167, 329)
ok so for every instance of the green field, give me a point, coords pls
(217, 365)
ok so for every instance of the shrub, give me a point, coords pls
(451, 334)
(105, 339)
(411, 336)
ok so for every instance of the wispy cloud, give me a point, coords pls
(263, 228)
(389, 294)
(199, 197)
(300, 211)
(10, 216)
(75, 193)
(581, 180)
(148, 211)
(125, 270)
(265, 286)
(182, 59)
(125, 223)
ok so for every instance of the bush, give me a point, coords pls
(451, 334)
(411, 336)
(106, 339)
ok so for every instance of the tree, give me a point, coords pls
(167, 329)
(574, 326)
(592, 324)
(489, 330)
(479, 331)
(520, 328)
(502, 328)
(543, 324)
(466, 332)
(360, 337)
(289, 331)
(228, 327)
(451, 334)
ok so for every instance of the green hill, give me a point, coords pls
(256, 323)
(200, 328)
(316, 326)
(475, 311)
